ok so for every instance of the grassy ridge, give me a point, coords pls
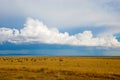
(59, 68)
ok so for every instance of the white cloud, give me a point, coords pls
(34, 31)
(67, 12)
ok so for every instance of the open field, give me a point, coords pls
(59, 68)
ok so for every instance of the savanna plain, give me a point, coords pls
(59, 68)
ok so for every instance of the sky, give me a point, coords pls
(90, 24)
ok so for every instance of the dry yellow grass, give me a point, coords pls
(59, 68)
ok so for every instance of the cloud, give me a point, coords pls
(34, 31)
(67, 12)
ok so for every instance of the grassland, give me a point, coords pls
(59, 68)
